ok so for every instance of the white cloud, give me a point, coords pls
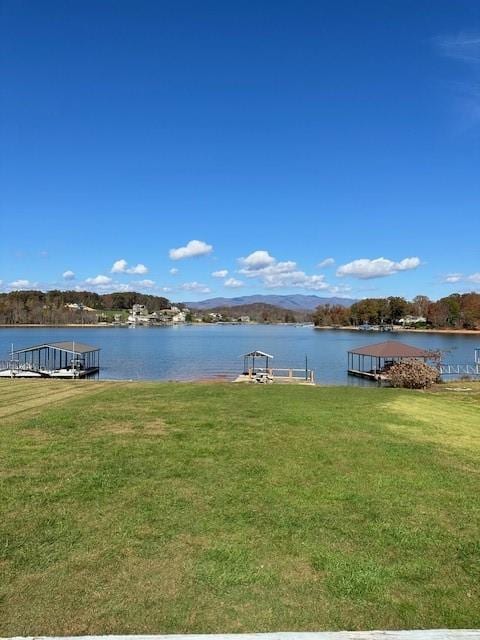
(68, 275)
(196, 287)
(116, 286)
(326, 263)
(297, 279)
(465, 47)
(98, 280)
(173, 271)
(139, 269)
(233, 283)
(222, 273)
(257, 260)
(121, 266)
(453, 278)
(104, 287)
(279, 274)
(340, 289)
(146, 283)
(190, 250)
(22, 284)
(365, 268)
(261, 266)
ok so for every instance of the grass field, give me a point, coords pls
(150, 507)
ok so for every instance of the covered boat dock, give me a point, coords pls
(373, 361)
(67, 359)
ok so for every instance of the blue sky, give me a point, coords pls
(286, 147)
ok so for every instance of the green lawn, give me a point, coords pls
(149, 507)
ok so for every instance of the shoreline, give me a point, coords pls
(411, 331)
(58, 326)
(209, 324)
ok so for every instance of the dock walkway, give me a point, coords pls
(277, 375)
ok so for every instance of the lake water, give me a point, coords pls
(192, 352)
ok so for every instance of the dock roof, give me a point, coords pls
(391, 349)
(67, 345)
(256, 354)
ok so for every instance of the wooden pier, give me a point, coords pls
(285, 376)
(368, 375)
(268, 375)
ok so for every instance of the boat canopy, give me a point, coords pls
(68, 346)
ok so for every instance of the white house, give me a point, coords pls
(409, 320)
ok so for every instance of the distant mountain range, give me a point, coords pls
(295, 302)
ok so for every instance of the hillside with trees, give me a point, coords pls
(51, 307)
(457, 311)
(257, 312)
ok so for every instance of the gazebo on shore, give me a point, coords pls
(249, 361)
(373, 360)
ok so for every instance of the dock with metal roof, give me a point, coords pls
(372, 361)
(65, 359)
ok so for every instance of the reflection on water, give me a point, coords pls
(214, 351)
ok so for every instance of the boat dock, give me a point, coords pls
(69, 360)
(373, 361)
(267, 375)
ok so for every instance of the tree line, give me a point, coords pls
(50, 307)
(456, 311)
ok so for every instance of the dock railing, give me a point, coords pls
(459, 369)
(16, 366)
(295, 375)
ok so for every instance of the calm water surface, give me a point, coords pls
(191, 352)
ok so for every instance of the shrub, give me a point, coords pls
(412, 374)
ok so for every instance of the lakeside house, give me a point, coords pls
(219, 317)
(411, 320)
(173, 314)
(75, 306)
(140, 316)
